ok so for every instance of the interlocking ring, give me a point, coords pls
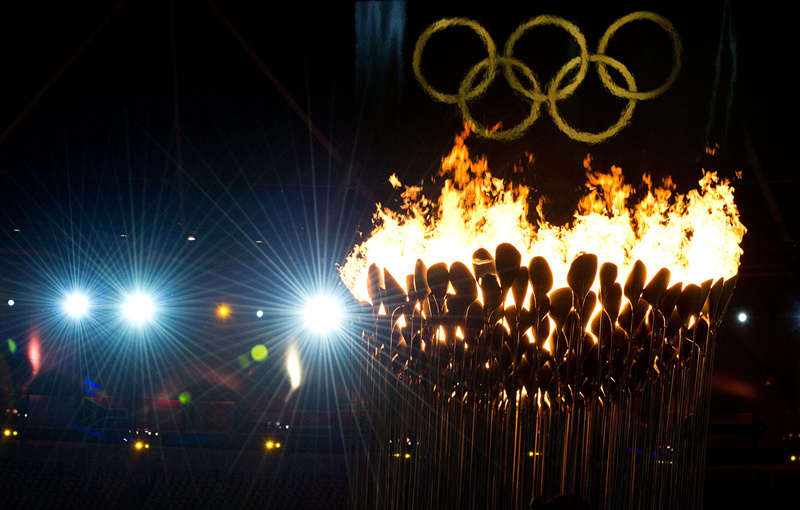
(550, 95)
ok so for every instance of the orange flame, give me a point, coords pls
(695, 235)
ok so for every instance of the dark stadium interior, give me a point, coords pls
(222, 154)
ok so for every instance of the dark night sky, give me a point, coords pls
(96, 155)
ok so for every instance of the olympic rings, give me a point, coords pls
(550, 95)
(559, 22)
(508, 134)
(488, 43)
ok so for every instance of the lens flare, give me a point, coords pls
(293, 368)
(259, 352)
(35, 354)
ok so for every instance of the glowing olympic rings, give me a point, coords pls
(553, 92)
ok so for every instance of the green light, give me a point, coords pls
(259, 352)
(12, 346)
(243, 360)
(185, 397)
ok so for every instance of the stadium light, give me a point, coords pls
(76, 305)
(322, 314)
(138, 308)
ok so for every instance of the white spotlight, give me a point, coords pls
(742, 317)
(322, 314)
(138, 308)
(76, 305)
(260, 313)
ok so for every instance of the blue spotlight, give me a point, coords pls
(76, 305)
(138, 308)
(322, 314)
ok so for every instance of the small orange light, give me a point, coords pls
(7, 432)
(139, 446)
(270, 445)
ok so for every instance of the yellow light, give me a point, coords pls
(277, 445)
(270, 445)
(530, 454)
(794, 458)
(139, 446)
(15, 432)
(7, 432)
(147, 446)
(223, 311)
(259, 353)
(408, 455)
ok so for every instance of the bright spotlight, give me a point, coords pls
(138, 308)
(76, 305)
(742, 317)
(260, 313)
(10, 302)
(322, 314)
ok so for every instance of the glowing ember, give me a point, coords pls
(696, 235)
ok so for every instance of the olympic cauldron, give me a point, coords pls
(470, 403)
(486, 387)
